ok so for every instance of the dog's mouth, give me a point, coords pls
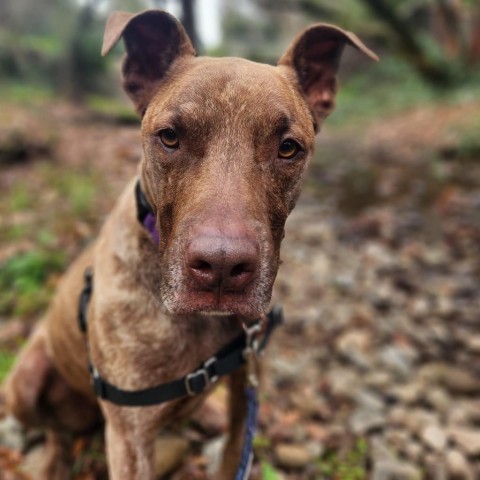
(183, 296)
(245, 305)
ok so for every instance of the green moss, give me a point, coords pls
(261, 442)
(348, 465)
(23, 288)
(112, 109)
(20, 198)
(13, 233)
(268, 472)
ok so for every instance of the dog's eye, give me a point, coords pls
(288, 149)
(169, 138)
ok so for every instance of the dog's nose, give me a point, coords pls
(221, 262)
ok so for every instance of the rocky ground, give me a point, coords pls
(376, 372)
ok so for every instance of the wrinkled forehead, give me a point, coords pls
(232, 91)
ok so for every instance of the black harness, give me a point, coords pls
(240, 351)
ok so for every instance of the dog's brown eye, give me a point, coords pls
(288, 149)
(169, 138)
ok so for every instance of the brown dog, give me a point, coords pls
(226, 143)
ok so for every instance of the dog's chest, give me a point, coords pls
(140, 351)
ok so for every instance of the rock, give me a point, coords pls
(464, 412)
(398, 416)
(11, 433)
(397, 360)
(169, 452)
(311, 405)
(34, 460)
(431, 373)
(434, 437)
(364, 421)
(395, 470)
(315, 449)
(439, 399)
(413, 451)
(458, 414)
(408, 393)
(369, 400)
(378, 379)
(293, 456)
(419, 419)
(468, 440)
(343, 383)
(473, 343)
(420, 307)
(445, 306)
(357, 340)
(399, 439)
(213, 451)
(457, 466)
(379, 450)
(461, 381)
(435, 467)
(286, 369)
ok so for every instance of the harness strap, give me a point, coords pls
(225, 361)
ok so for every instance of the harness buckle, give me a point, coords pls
(202, 373)
(206, 365)
(97, 382)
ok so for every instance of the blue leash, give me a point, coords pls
(246, 458)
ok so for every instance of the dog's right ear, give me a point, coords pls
(154, 40)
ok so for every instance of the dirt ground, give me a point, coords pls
(376, 372)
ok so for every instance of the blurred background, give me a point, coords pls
(376, 373)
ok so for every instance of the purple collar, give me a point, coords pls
(149, 222)
(145, 213)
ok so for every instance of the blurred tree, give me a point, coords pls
(32, 36)
(85, 67)
(440, 38)
(190, 23)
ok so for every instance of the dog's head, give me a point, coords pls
(226, 143)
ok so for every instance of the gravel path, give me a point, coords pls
(376, 373)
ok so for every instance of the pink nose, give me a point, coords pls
(222, 262)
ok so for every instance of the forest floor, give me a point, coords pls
(376, 372)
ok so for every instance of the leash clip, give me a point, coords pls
(250, 352)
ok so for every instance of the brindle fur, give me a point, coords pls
(149, 323)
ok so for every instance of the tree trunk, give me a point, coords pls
(432, 70)
(189, 22)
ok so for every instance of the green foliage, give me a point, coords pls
(75, 188)
(390, 87)
(468, 141)
(268, 472)
(22, 281)
(55, 44)
(7, 359)
(350, 465)
(21, 92)
(20, 198)
(261, 443)
(112, 109)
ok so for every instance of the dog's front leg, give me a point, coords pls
(237, 416)
(130, 437)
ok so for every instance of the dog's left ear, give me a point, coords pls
(154, 41)
(315, 57)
